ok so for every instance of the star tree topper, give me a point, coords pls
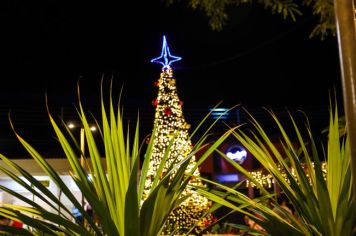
(166, 59)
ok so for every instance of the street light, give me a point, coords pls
(72, 125)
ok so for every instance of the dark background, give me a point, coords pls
(258, 60)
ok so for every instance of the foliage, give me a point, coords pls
(324, 205)
(223, 228)
(114, 190)
(325, 10)
(217, 11)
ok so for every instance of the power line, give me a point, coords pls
(249, 51)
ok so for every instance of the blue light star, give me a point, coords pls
(166, 59)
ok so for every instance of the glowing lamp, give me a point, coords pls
(237, 153)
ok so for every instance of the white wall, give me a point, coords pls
(6, 198)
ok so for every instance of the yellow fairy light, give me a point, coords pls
(266, 180)
(170, 123)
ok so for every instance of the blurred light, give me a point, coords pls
(219, 113)
(237, 153)
(71, 125)
(266, 180)
(221, 178)
(90, 177)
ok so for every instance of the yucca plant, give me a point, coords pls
(324, 203)
(114, 190)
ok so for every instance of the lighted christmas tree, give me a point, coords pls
(170, 123)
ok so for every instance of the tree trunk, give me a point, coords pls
(345, 26)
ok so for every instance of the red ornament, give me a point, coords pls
(168, 111)
(156, 83)
(206, 222)
(155, 102)
(181, 103)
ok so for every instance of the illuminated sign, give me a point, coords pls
(219, 113)
(237, 153)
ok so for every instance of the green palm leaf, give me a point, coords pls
(114, 189)
(325, 205)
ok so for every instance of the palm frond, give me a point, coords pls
(111, 184)
(324, 204)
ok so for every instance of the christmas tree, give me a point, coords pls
(170, 124)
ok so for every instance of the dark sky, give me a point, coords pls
(257, 60)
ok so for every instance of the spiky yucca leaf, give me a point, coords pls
(114, 189)
(323, 206)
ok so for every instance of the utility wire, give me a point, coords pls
(248, 51)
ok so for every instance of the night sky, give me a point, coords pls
(258, 60)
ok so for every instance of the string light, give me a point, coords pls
(170, 123)
(266, 180)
